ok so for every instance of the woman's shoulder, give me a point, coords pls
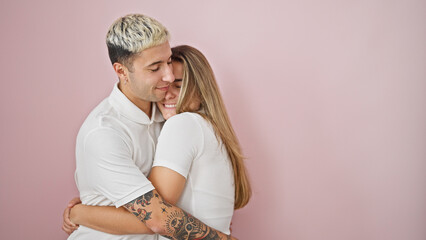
(186, 116)
(184, 120)
(187, 125)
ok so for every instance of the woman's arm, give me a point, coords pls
(168, 183)
(108, 219)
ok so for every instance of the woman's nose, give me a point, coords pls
(170, 94)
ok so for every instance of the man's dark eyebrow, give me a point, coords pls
(154, 63)
(157, 62)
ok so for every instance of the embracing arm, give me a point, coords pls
(153, 210)
(108, 219)
(170, 221)
(168, 183)
(119, 221)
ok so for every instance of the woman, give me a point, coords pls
(198, 162)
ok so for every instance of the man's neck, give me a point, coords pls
(145, 106)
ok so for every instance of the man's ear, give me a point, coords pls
(121, 72)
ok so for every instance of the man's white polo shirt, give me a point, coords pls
(114, 152)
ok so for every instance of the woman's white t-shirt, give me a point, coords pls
(188, 145)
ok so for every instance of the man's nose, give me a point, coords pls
(168, 74)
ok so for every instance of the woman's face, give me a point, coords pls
(168, 105)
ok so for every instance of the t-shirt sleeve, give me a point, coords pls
(180, 142)
(111, 168)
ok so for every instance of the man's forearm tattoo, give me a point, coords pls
(136, 206)
(179, 224)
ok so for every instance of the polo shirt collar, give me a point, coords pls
(129, 110)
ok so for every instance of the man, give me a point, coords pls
(116, 143)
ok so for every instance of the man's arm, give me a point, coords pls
(119, 221)
(170, 221)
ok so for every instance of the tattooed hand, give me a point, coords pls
(170, 221)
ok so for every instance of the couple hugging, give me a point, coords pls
(182, 183)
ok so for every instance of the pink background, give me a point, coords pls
(327, 97)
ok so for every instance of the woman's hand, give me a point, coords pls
(67, 225)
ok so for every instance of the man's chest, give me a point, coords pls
(144, 141)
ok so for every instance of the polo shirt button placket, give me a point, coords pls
(150, 138)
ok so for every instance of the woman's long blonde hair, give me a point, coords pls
(199, 82)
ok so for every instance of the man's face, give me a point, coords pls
(149, 77)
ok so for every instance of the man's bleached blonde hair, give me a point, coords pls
(131, 34)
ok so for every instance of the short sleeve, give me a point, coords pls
(109, 165)
(180, 142)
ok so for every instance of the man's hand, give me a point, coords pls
(67, 225)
